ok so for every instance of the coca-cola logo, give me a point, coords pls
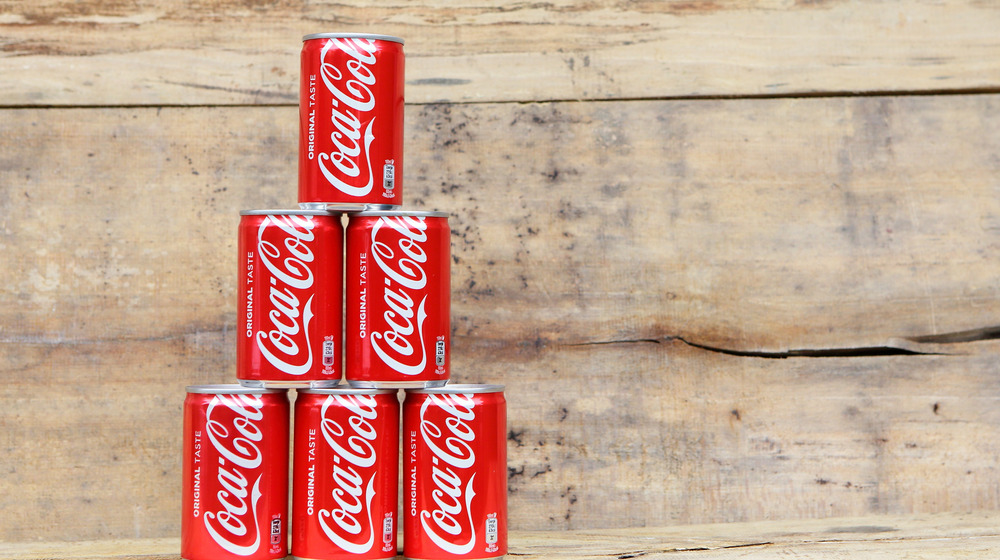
(348, 166)
(400, 344)
(445, 429)
(355, 458)
(230, 424)
(283, 243)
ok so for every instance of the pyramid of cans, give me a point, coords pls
(347, 316)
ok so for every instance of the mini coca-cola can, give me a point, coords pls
(351, 121)
(455, 473)
(235, 486)
(290, 299)
(398, 290)
(345, 474)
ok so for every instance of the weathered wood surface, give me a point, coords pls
(705, 310)
(690, 302)
(755, 226)
(938, 537)
(93, 52)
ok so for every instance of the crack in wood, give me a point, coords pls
(957, 337)
(972, 335)
(857, 352)
(640, 553)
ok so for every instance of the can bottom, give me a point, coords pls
(215, 557)
(346, 206)
(293, 557)
(488, 558)
(310, 384)
(368, 384)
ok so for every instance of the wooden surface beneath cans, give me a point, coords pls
(707, 306)
(938, 537)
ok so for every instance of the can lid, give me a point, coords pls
(402, 213)
(460, 388)
(289, 212)
(231, 389)
(373, 36)
(345, 391)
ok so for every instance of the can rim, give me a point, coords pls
(375, 36)
(346, 207)
(403, 213)
(229, 389)
(289, 212)
(345, 391)
(460, 388)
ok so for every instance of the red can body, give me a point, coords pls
(455, 473)
(398, 290)
(345, 474)
(351, 121)
(290, 298)
(235, 501)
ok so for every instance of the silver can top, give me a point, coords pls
(288, 212)
(460, 388)
(372, 36)
(229, 390)
(402, 213)
(346, 391)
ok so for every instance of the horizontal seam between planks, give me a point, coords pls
(694, 97)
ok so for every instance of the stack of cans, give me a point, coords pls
(346, 300)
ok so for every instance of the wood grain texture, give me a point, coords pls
(754, 225)
(695, 305)
(751, 226)
(210, 52)
(942, 536)
(659, 434)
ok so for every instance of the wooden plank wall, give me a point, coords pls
(734, 261)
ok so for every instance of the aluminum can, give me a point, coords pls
(455, 473)
(398, 290)
(345, 474)
(290, 298)
(351, 121)
(235, 481)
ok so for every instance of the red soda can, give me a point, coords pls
(345, 474)
(398, 299)
(351, 121)
(289, 326)
(235, 502)
(455, 473)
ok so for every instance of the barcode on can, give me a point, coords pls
(439, 353)
(389, 175)
(328, 353)
(276, 531)
(387, 530)
(491, 530)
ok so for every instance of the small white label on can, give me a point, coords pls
(276, 531)
(491, 530)
(439, 353)
(328, 353)
(389, 175)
